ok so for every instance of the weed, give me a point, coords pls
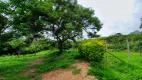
(117, 70)
(76, 71)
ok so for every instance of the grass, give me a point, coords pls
(12, 66)
(76, 71)
(118, 70)
(54, 61)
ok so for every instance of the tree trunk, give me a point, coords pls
(60, 47)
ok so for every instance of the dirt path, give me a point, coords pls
(2, 78)
(67, 74)
(31, 70)
(36, 62)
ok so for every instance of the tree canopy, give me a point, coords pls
(60, 19)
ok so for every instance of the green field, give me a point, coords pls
(115, 69)
(12, 66)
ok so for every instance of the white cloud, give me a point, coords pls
(116, 15)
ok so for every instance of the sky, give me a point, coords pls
(117, 16)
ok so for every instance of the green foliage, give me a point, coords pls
(69, 27)
(54, 61)
(36, 46)
(33, 18)
(92, 49)
(102, 72)
(12, 66)
(67, 45)
(117, 70)
(19, 46)
(117, 42)
(50, 16)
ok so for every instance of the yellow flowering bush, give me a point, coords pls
(92, 49)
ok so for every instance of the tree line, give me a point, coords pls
(117, 42)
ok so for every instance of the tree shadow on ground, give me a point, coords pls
(55, 61)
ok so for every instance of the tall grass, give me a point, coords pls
(54, 61)
(12, 66)
(118, 70)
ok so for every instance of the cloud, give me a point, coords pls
(118, 16)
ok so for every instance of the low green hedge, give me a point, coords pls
(92, 49)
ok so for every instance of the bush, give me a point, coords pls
(92, 49)
(67, 45)
(36, 46)
(11, 47)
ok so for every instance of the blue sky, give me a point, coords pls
(118, 16)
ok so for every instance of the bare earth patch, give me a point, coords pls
(28, 72)
(67, 74)
(2, 78)
(31, 71)
(36, 62)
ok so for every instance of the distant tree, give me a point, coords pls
(118, 34)
(141, 23)
(135, 32)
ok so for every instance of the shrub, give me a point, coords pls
(67, 45)
(11, 47)
(92, 49)
(36, 46)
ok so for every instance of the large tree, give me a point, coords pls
(6, 34)
(3, 18)
(67, 20)
(62, 19)
(28, 18)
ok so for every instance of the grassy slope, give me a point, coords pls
(12, 66)
(118, 70)
(54, 61)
